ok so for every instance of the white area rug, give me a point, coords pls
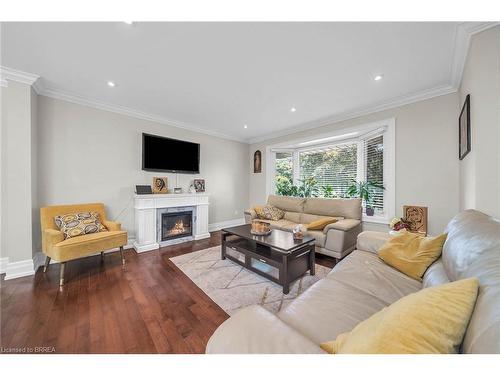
(233, 287)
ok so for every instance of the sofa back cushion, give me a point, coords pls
(292, 204)
(347, 208)
(472, 249)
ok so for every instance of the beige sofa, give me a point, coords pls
(337, 239)
(362, 284)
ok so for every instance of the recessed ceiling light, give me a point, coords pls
(293, 109)
(129, 22)
(378, 77)
(245, 126)
(111, 84)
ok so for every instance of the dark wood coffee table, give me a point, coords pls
(277, 257)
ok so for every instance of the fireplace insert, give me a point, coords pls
(176, 225)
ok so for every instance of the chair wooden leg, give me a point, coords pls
(46, 265)
(61, 274)
(121, 253)
(102, 256)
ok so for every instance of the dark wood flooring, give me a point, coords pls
(148, 306)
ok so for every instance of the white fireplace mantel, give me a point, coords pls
(145, 208)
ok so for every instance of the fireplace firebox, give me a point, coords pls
(176, 225)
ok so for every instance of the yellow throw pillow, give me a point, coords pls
(321, 223)
(432, 320)
(269, 212)
(412, 253)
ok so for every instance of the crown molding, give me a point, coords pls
(126, 111)
(382, 106)
(17, 76)
(463, 35)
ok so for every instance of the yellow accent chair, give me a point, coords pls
(63, 250)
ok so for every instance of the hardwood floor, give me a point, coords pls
(148, 306)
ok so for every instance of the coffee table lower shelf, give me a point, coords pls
(280, 267)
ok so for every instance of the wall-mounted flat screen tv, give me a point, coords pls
(162, 154)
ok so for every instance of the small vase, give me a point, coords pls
(370, 211)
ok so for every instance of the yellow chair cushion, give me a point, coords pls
(432, 320)
(321, 223)
(77, 247)
(412, 253)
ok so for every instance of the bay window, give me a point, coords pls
(327, 166)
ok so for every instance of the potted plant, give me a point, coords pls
(364, 190)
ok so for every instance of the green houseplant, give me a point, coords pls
(364, 190)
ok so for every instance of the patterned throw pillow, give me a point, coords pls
(269, 212)
(78, 224)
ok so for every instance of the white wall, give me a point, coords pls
(91, 155)
(480, 169)
(426, 157)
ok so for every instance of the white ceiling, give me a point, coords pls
(219, 76)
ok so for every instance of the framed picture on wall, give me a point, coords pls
(257, 162)
(464, 130)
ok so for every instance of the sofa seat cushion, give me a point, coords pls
(77, 247)
(358, 287)
(255, 330)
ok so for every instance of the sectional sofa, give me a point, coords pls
(337, 239)
(362, 284)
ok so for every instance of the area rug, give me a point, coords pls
(233, 287)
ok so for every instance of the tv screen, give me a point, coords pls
(169, 155)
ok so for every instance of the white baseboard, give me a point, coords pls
(28, 267)
(19, 269)
(225, 224)
(3, 264)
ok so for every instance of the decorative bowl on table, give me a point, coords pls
(260, 228)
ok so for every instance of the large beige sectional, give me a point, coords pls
(362, 284)
(337, 239)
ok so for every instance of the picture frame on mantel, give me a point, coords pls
(464, 140)
(160, 185)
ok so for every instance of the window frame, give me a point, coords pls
(363, 131)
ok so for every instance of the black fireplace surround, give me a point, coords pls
(176, 225)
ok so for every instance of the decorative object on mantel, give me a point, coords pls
(257, 162)
(192, 189)
(464, 129)
(178, 190)
(298, 234)
(416, 218)
(364, 190)
(160, 185)
(199, 185)
(143, 189)
(260, 228)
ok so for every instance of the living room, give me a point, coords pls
(238, 188)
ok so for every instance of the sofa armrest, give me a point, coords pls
(250, 214)
(344, 225)
(371, 241)
(50, 237)
(112, 225)
(254, 330)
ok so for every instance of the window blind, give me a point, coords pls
(334, 166)
(374, 168)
